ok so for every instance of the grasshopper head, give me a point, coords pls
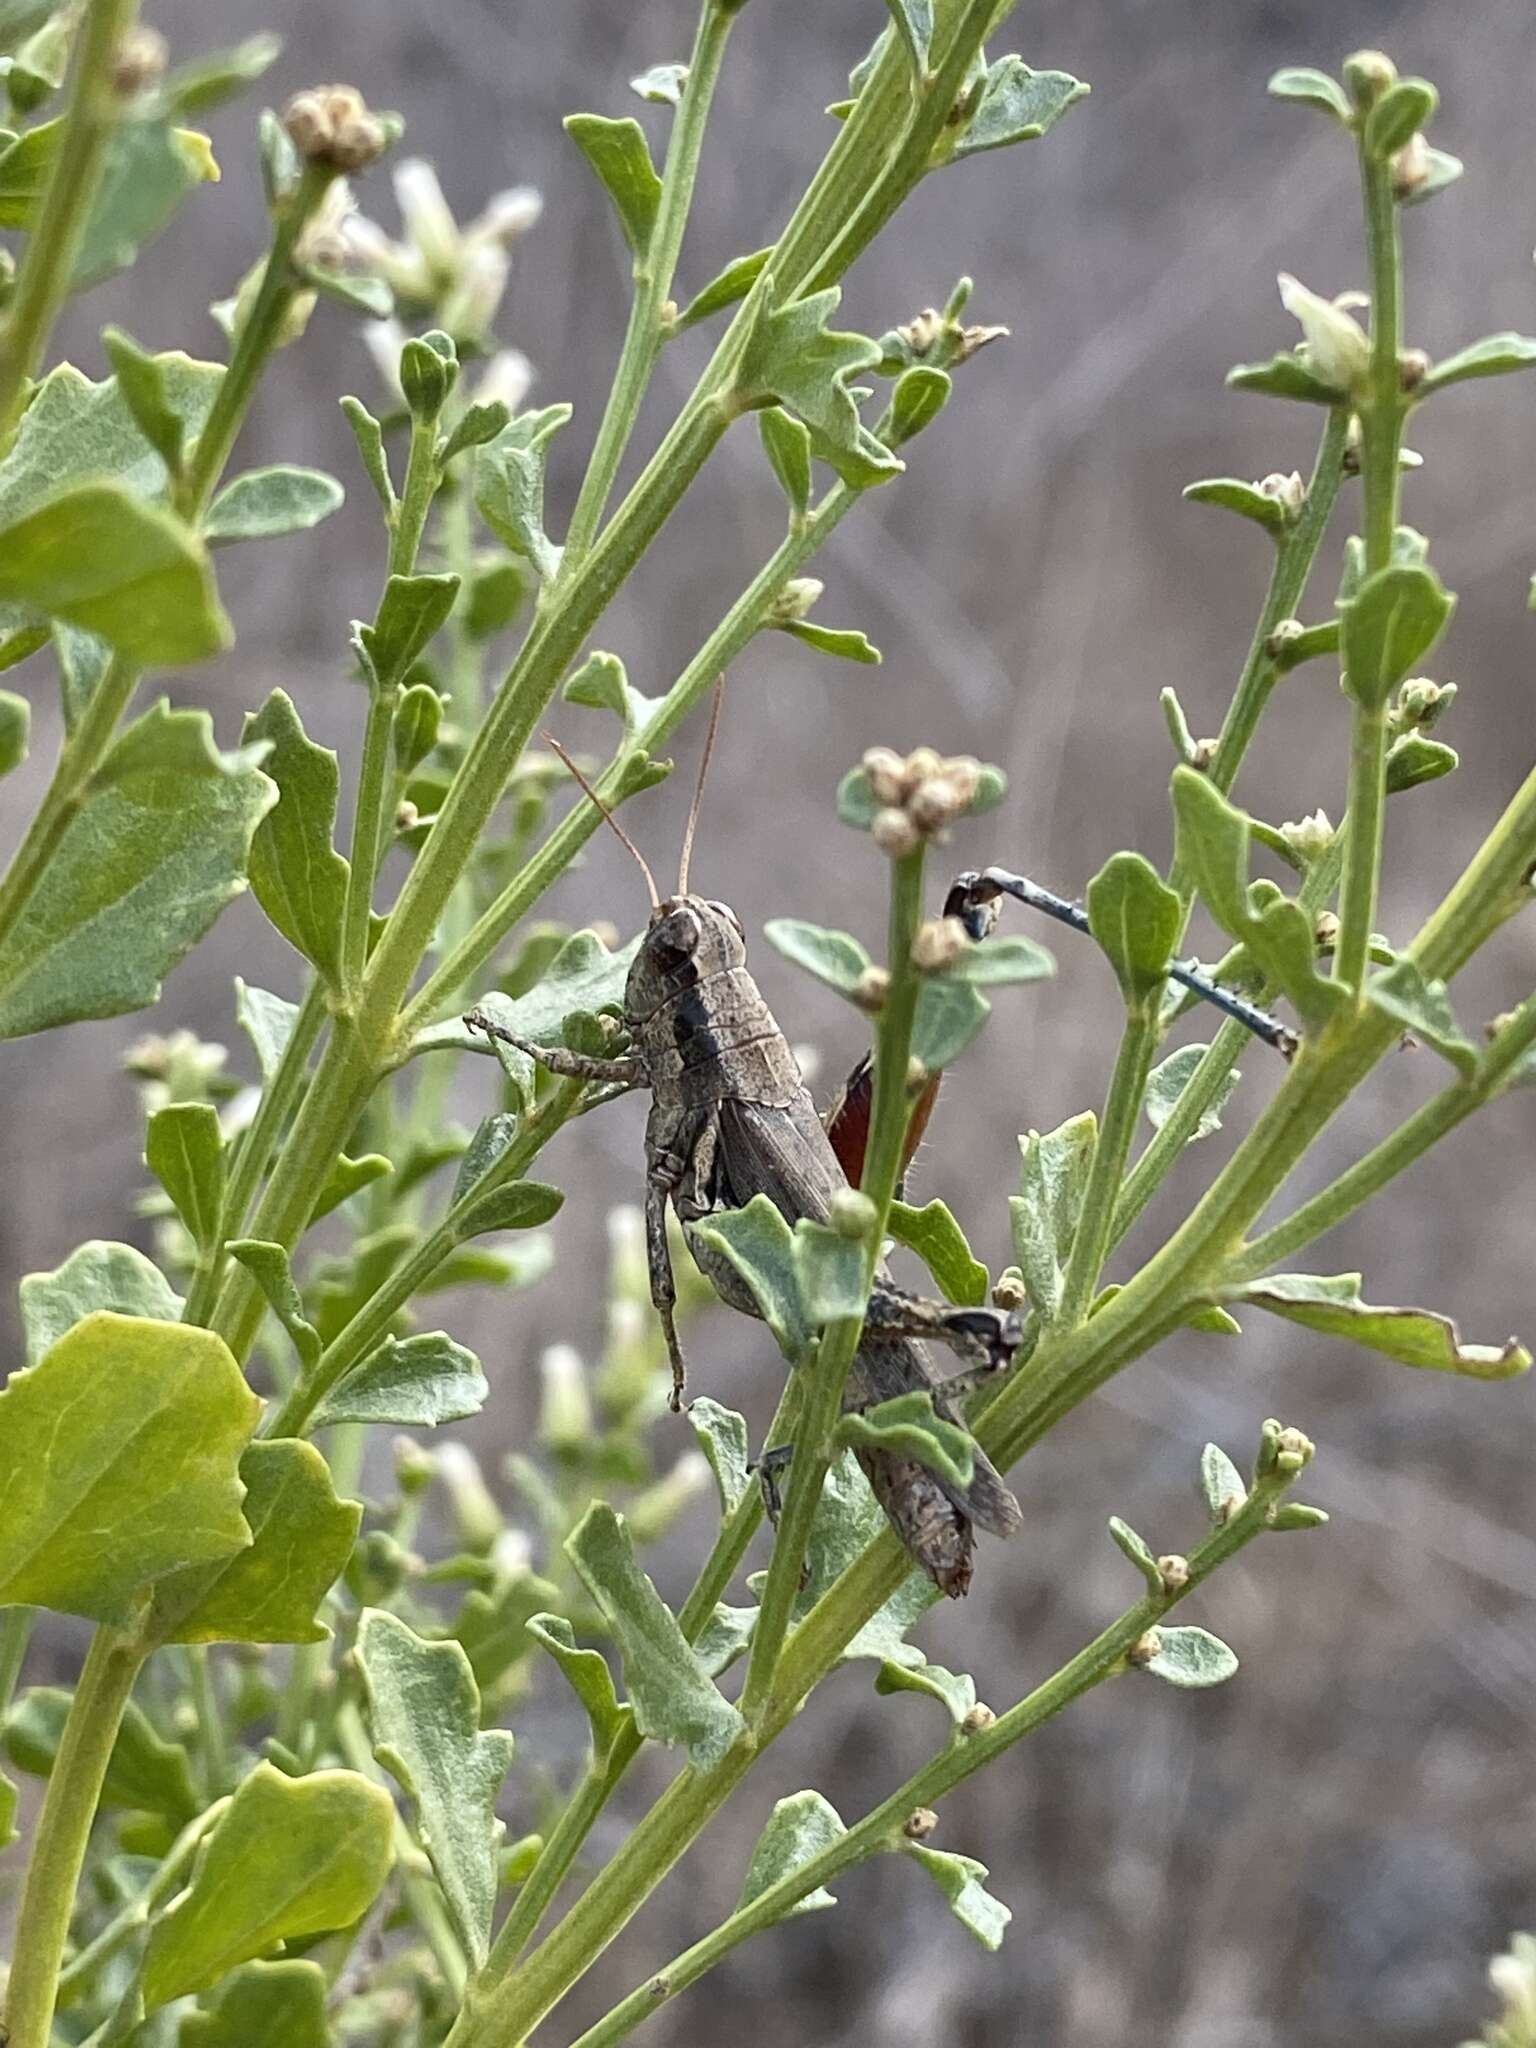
(689, 940)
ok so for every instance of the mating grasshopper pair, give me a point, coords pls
(731, 1118)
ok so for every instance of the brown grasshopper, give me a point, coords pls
(731, 1118)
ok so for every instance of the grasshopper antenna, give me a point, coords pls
(582, 783)
(698, 792)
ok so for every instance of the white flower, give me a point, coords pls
(506, 378)
(384, 340)
(457, 274)
(1337, 349)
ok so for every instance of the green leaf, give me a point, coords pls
(1017, 105)
(914, 24)
(369, 436)
(602, 683)
(1191, 1658)
(999, 963)
(662, 84)
(1167, 1082)
(1331, 1304)
(722, 1435)
(919, 396)
(1283, 376)
(299, 878)
(1233, 495)
(267, 1020)
(1220, 1482)
(840, 641)
(733, 283)
(141, 382)
(1213, 1322)
(420, 1381)
(268, 1266)
(418, 720)
(761, 1246)
(1052, 1182)
(424, 1710)
(9, 1799)
(1132, 1546)
(787, 444)
(1423, 1006)
(211, 80)
(515, 1205)
(1442, 169)
(184, 1150)
(955, 1691)
(83, 661)
(267, 502)
(104, 561)
(291, 1857)
(939, 1242)
(1494, 356)
(346, 1178)
(144, 866)
(798, 1829)
(15, 726)
(950, 1012)
(831, 1273)
(412, 611)
(509, 486)
(1413, 759)
(619, 154)
(118, 1456)
(961, 1880)
(726, 1636)
(587, 1674)
(907, 1427)
(145, 1774)
(150, 168)
(477, 424)
(835, 958)
(1136, 918)
(1212, 846)
(96, 1275)
(1312, 89)
(275, 2002)
(491, 1138)
(1388, 627)
(303, 1536)
(584, 978)
(1403, 109)
(791, 356)
(674, 1699)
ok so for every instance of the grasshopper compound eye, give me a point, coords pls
(676, 930)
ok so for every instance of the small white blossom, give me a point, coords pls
(507, 377)
(456, 273)
(1337, 350)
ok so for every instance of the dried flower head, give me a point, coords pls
(331, 125)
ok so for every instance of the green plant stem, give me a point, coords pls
(374, 815)
(260, 334)
(423, 1901)
(738, 626)
(295, 1415)
(827, 1373)
(210, 1720)
(882, 1829)
(258, 1140)
(1382, 411)
(63, 1829)
(79, 759)
(1117, 1128)
(653, 273)
(15, 1634)
(92, 111)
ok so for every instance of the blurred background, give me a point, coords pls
(1326, 1851)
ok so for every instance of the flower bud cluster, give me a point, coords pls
(938, 943)
(1310, 837)
(140, 61)
(1420, 704)
(331, 124)
(918, 797)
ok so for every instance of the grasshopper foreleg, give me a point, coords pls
(628, 1072)
(987, 1334)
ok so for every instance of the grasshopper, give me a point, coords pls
(731, 1118)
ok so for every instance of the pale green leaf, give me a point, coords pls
(1312, 89)
(674, 1699)
(907, 1427)
(291, 1857)
(1233, 495)
(509, 486)
(150, 168)
(618, 153)
(267, 1021)
(1132, 1546)
(1220, 1482)
(722, 1435)
(1191, 1658)
(515, 1205)
(1331, 1305)
(1167, 1082)
(268, 1266)
(156, 850)
(141, 381)
(797, 1830)
(118, 1463)
(184, 1150)
(792, 357)
(303, 1536)
(940, 1243)
(955, 1691)
(412, 610)
(603, 683)
(584, 978)
(761, 1246)
(787, 444)
(733, 283)
(145, 1773)
(420, 1381)
(839, 641)
(835, 958)
(950, 1012)
(346, 1178)
(1390, 624)
(1422, 1005)
(267, 2003)
(1052, 1183)
(267, 502)
(96, 1275)
(424, 1710)
(587, 1674)
(962, 1881)
(1137, 919)
(1017, 105)
(1407, 106)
